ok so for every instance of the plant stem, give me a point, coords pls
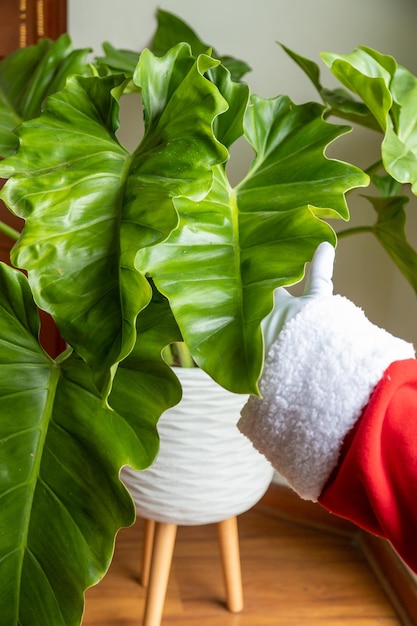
(374, 167)
(184, 357)
(354, 231)
(9, 231)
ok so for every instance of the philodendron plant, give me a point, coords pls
(132, 251)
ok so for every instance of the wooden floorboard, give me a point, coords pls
(292, 575)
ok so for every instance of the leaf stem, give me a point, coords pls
(374, 167)
(9, 231)
(354, 231)
(184, 356)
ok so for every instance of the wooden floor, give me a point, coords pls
(293, 575)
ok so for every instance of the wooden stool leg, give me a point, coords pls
(148, 536)
(229, 548)
(163, 548)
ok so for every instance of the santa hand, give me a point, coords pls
(324, 360)
(318, 284)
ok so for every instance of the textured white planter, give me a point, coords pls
(206, 470)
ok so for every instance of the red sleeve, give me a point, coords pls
(375, 482)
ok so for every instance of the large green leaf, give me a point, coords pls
(229, 126)
(172, 30)
(366, 73)
(61, 500)
(291, 169)
(399, 148)
(28, 76)
(117, 60)
(390, 93)
(89, 205)
(68, 192)
(143, 377)
(339, 101)
(232, 249)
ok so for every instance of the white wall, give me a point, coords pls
(249, 29)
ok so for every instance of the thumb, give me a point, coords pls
(319, 279)
(273, 323)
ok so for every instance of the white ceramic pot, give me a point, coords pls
(206, 470)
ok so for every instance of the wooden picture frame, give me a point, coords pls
(25, 22)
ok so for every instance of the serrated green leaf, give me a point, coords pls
(338, 101)
(28, 76)
(310, 68)
(399, 147)
(61, 500)
(366, 73)
(68, 193)
(232, 249)
(390, 92)
(172, 30)
(291, 169)
(143, 375)
(89, 205)
(118, 59)
(342, 105)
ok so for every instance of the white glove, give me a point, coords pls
(324, 359)
(318, 284)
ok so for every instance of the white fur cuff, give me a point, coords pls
(318, 376)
